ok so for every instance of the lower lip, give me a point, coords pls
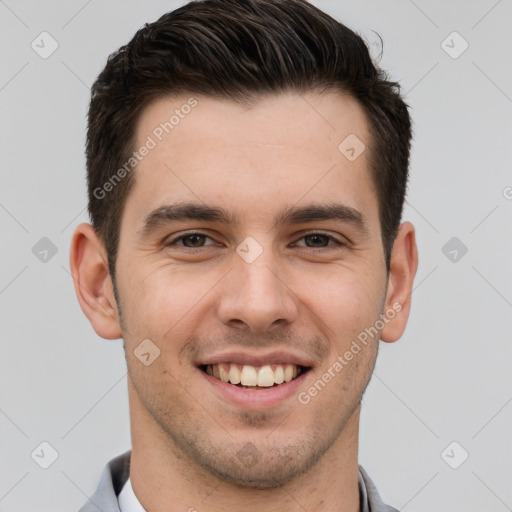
(255, 398)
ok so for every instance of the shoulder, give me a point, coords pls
(112, 480)
(370, 495)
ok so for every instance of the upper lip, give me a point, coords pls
(257, 359)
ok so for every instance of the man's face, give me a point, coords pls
(262, 291)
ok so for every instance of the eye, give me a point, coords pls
(192, 240)
(197, 240)
(320, 240)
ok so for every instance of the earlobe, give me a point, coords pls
(403, 266)
(93, 285)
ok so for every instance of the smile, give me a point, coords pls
(248, 376)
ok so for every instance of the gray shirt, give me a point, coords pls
(117, 471)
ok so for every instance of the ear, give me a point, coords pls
(93, 285)
(403, 266)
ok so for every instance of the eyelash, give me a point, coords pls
(172, 242)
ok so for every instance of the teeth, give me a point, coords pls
(224, 375)
(234, 374)
(288, 373)
(265, 377)
(279, 375)
(248, 375)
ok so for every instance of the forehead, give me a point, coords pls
(275, 152)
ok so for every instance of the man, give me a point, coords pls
(247, 165)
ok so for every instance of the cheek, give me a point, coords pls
(165, 300)
(346, 302)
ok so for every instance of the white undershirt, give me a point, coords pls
(128, 502)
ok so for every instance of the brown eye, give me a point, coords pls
(320, 241)
(190, 240)
(195, 240)
(317, 239)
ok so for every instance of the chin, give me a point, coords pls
(262, 468)
(258, 478)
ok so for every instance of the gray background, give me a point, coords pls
(447, 379)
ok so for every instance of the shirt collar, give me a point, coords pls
(128, 502)
(369, 498)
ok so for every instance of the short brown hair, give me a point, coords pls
(240, 50)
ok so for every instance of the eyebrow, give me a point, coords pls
(287, 216)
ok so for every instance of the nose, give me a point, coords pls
(256, 296)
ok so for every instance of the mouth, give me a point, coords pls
(254, 377)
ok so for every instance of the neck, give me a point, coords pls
(165, 479)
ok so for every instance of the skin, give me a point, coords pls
(190, 446)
